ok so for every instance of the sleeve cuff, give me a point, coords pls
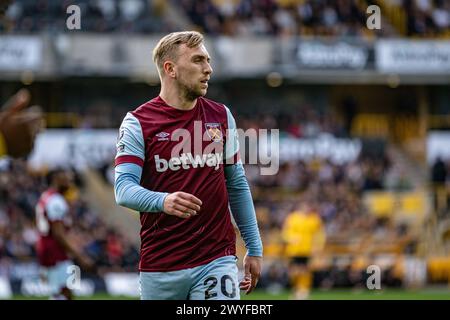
(129, 159)
(255, 252)
(160, 205)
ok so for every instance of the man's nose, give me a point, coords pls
(208, 69)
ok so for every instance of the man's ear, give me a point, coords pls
(169, 69)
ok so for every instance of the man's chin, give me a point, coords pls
(200, 93)
(194, 94)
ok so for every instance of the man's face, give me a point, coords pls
(193, 70)
(64, 180)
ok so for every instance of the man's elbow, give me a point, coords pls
(124, 203)
(121, 200)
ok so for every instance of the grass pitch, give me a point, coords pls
(335, 294)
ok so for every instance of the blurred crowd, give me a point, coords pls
(427, 17)
(269, 17)
(305, 122)
(20, 189)
(228, 17)
(336, 191)
(130, 16)
(440, 179)
(354, 235)
(440, 171)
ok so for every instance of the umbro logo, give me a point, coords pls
(163, 136)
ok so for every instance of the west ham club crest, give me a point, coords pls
(214, 131)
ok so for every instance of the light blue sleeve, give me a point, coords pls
(131, 140)
(240, 198)
(127, 189)
(232, 144)
(129, 193)
(56, 208)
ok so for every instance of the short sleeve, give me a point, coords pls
(232, 141)
(56, 208)
(130, 142)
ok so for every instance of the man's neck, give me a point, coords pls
(175, 99)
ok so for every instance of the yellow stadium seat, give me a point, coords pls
(407, 207)
(381, 204)
(413, 206)
(439, 269)
(412, 203)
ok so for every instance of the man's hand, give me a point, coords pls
(182, 205)
(252, 269)
(19, 127)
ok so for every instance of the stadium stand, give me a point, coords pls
(424, 18)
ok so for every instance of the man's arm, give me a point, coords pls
(241, 204)
(128, 170)
(242, 209)
(129, 193)
(59, 233)
(56, 211)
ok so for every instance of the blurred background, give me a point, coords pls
(363, 118)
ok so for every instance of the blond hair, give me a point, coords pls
(168, 45)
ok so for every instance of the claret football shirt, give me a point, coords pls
(182, 150)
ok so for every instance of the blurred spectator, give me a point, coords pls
(439, 171)
(439, 178)
(19, 191)
(304, 236)
(427, 17)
